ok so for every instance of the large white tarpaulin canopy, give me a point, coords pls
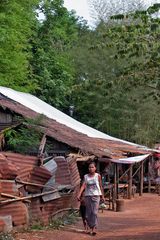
(131, 160)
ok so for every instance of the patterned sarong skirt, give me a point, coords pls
(92, 205)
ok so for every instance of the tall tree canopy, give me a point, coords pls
(52, 64)
(118, 72)
(111, 74)
(17, 19)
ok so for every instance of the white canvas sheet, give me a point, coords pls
(131, 160)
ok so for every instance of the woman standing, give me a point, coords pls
(93, 191)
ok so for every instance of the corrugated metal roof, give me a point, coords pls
(66, 129)
(41, 107)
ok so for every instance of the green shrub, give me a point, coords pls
(25, 137)
(68, 219)
(6, 236)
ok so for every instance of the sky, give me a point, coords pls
(80, 6)
(82, 9)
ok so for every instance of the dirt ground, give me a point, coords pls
(139, 221)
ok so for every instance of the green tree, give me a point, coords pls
(138, 43)
(118, 77)
(17, 19)
(52, 64)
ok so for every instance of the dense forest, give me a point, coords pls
(110, 73)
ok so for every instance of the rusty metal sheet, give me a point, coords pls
(75, 177)
(63, 173)
(2, 225)
(44, 211)
(18, 212)
(23, 163)
(7, 169)
(9, 187)
(22, 213)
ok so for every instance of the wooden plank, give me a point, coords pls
(51, 196)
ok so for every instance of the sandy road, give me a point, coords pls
(139, 221)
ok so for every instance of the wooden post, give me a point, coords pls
(42, 145)
(112, 198)
(115, 182)
(98, 167)
(149, 177)
(130, 182)
(141, 178)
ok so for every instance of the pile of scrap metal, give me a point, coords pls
(31, 191)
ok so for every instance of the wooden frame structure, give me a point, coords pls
(128, 187)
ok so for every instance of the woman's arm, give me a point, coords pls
(81, 190)
(101, 187)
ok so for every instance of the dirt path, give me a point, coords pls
(140, 220)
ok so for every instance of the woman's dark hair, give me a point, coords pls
(91, 162)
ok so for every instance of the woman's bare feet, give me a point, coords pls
(86, 227)
(93, 233)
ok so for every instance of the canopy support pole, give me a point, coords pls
(149, 175)
(141, 178)
(130, 182)
(115, 182)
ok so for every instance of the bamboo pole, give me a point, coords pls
(34, 184)
(13, 196)
(136, 171)
(124, 173)
(42, 145)
(28, 197)
(115, 182)
(141, 178)
(149, 177)
(130, 182)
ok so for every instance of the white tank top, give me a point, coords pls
(92, 185)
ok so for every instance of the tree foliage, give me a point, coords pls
(52, 65)
(138, 43)
(17, 19)
(25, 137)
(110, 73)
(118, 72)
